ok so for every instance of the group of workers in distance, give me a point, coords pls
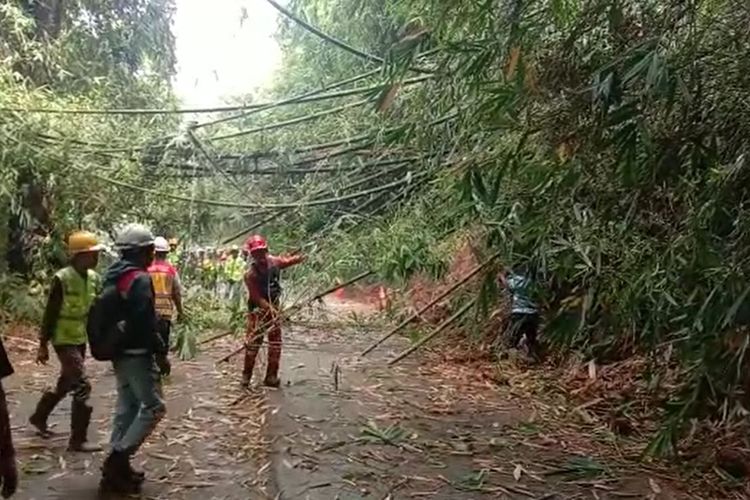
(217, 270)
(148, 298)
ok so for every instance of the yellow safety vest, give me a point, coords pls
(162, 277)
(234, 269)
(78, 295)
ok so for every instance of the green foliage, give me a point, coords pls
(185, 340)
(19, 301)
(601, 143)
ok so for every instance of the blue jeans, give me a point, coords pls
(139, 402)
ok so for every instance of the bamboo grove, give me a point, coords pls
(602, 143)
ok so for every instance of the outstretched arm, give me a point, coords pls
(284, 261)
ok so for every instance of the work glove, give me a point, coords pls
(165, 368)
(8, 474)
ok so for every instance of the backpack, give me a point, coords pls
(105, 325)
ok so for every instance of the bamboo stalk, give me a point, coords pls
(335, 41)
(278, 214)
(312, 29)
(218, 203)
(282, 170)
(254, 226)
(434, 301)
(311, 96)
(315, 96)
(286, 123)
(214, 165)
(340, 152)
(445, 324)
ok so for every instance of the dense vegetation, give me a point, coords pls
(602, 143)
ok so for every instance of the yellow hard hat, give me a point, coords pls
(83, 241)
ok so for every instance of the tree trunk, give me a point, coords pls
(27, 223)
(48, 15)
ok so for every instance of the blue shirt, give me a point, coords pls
(518, 286)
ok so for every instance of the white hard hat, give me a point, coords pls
(161, 244)
(134, 236)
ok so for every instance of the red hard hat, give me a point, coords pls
(256, 242)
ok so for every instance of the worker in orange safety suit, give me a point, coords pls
(262, 281)
(167, 290)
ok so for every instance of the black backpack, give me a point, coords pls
(105, 326)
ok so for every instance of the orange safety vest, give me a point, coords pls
(162, 276)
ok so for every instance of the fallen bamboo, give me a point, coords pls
(288, 311)
(445, 324)
(314, 96)
(314, 195)
(328, 38)
(434, 301)
(215, 167)
(335, 41)
(221, 203)
(254, 226)
(286, 123)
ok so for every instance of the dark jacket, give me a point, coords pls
(138, 312)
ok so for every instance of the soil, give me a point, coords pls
(340, 427)
(208, 446)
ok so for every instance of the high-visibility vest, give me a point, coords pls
(78, 295)
(234, 268)
(175, 258)
(162, 276)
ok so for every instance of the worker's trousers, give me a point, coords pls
(73, 377)
(258, 324)
(140, 406)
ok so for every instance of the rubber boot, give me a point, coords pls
(45, 406)
(272, 371)
(137, 475)
(251, 352)
(274, 357)
(117, 477)
(80, 417)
